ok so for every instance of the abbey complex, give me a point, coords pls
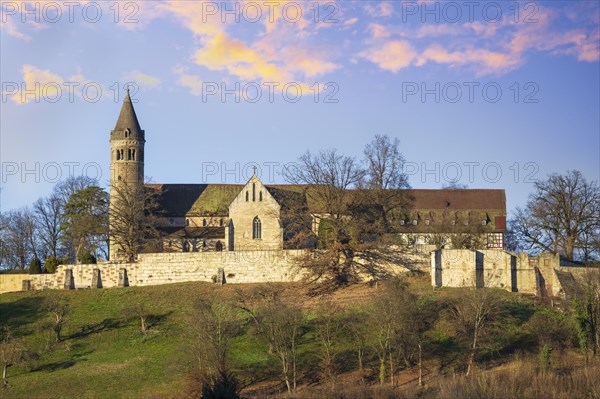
(232, 233)
(230, 217)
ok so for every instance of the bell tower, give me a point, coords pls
(126, 155)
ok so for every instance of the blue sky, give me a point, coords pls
(512, 90)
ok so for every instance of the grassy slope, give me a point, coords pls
(104, 355)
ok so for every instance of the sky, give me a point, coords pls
(491, 94)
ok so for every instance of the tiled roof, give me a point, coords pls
(214, 199)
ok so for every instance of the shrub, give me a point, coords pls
(35, 266)
(52, 262)
(87, 258)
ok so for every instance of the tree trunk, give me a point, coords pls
(382, 370)
(4, 379)
(360, 360)
(420, 366)
(57, 329)
(391, 369)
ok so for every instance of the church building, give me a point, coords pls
(231, 217)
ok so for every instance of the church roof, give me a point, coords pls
(196, 199)
(214, 199)
(127, 118)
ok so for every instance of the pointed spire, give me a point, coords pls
(127, 117)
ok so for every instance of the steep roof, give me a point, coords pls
(127, 118)
(196, 199)
(214, 199)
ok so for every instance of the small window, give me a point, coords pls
(187, 222)
(204, 222)
(127, 133)
(414, 222)
(402, 223)
(246, 196)
(260, 195)
(484, 222)
(221, 222)
(466, 222)
(119, 178)
(253, 192)
(256, 229)
(219, 246)
(427, 222)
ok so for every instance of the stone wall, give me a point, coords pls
(495, 268)
(165, 268)
(12, 282)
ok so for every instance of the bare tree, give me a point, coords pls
(140, 312)
(473, 314)
(214, 324)
(58, 307)
(133, 218)
(282, 326)
(48, 212)
(384, 181)
(329, 331)
(562, 215)
(20, 238)
(12, 352)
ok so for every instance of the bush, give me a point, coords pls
(222, 386)
(35, 266)
(52, 262)
(87, 258)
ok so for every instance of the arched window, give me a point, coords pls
(253, 192)
(246, 196)
(126, 133)
(256, 229)
(219, 246)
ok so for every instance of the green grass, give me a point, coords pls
(103, 354)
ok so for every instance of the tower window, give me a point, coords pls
(126, 133)
(256, 229)
(130, 154)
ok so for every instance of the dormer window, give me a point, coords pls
(414, 222)
(127, 131)
(484, 222)
(402, 223)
